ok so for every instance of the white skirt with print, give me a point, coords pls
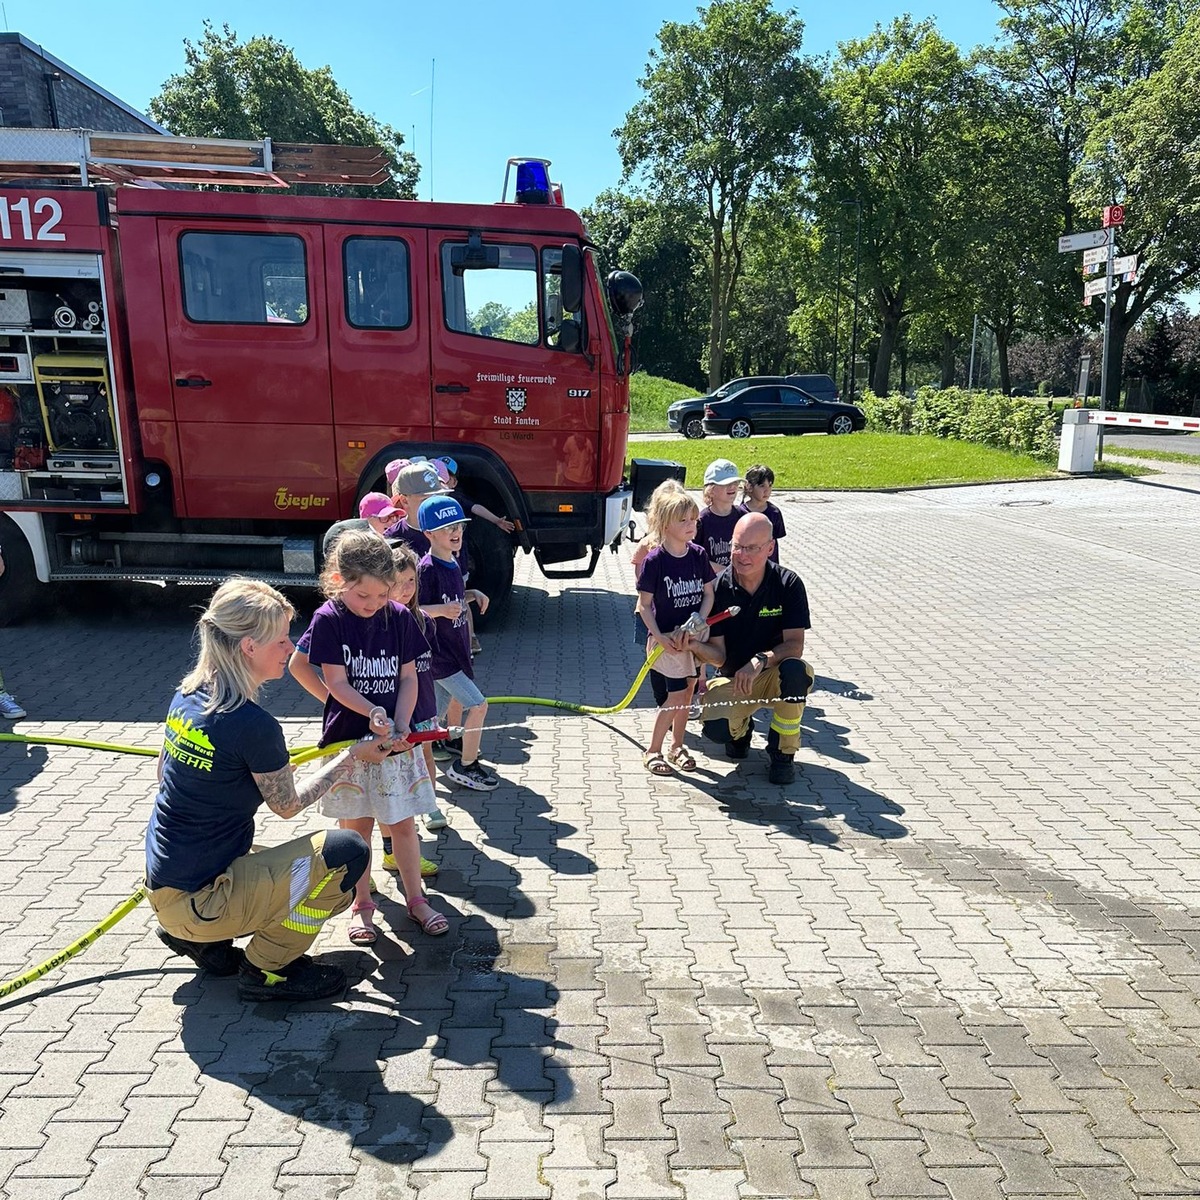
(390, 791)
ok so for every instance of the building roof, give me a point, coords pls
(58, 64)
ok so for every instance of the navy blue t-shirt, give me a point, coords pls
(441, 582)
(203, 815)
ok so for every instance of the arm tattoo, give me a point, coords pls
(285, 798)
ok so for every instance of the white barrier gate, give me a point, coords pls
(1081, 433)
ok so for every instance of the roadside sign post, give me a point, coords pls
(1114, 216)
(1099, 246)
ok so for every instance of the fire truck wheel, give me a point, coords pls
(491, 567)
(18, 585)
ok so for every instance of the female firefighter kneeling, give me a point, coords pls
(223, 756)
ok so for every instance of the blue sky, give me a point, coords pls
(509, 79)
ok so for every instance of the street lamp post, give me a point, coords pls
(854, 322)
(837, 305)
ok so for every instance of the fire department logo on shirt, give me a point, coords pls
(515, 399)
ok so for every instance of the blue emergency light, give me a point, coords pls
(533, 180)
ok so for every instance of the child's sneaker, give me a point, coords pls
(301, 979)
(435, 820)
(10, 710)
(475, 776)
(428, 867)
(445, 749)
(476, 648)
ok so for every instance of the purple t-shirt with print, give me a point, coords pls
(441, 582)
(410, 535)
(676, 584)
(372, 650)
(425, 708)
(715, 534)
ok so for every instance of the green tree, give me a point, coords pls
(723, 118)
(657, 242)
(893, 144)
(259, 88)
(1146, 154)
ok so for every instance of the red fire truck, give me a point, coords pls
(195, 383)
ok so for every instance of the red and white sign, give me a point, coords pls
(1114, 214)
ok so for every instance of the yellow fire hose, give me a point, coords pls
(301, 755)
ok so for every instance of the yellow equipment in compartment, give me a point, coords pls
(81, 419)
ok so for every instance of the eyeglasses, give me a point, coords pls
(736, 548)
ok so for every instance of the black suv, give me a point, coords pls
(687, 416)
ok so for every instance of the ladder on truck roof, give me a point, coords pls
(84, 156)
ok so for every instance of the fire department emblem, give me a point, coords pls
(515, 399)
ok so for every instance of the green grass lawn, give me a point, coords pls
(649, 396)
(857, 460)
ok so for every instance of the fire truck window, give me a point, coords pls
(377, 290)
(244, 278)
(564, 329)
(494, 302)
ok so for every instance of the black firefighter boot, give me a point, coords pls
(783, 766)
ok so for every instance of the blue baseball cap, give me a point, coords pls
(451, 465)
(439, 511)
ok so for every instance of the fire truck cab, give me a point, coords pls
(195, 383)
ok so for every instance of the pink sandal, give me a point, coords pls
(435, 924)
(364, 933)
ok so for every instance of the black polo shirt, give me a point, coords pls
(780, 603)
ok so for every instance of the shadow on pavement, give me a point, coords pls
(364, 1068)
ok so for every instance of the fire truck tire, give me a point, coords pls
(492, 556)
(18, 585)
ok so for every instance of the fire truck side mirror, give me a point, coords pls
(474, 256)
(624, 293)
(572, 279)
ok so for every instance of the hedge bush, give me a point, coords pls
(988, 418)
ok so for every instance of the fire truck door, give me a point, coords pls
(250, 367)
(509, 365)
(378, 333)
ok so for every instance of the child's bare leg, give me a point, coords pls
(454, 714)
(662, 722)
(680, 702)
(472, 732)
(407, 848)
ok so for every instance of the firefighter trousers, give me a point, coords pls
(281, 896)
(782, 688)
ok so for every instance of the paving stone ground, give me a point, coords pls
(959, 957)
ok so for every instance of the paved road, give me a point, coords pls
(960, 957)
(1180, 443)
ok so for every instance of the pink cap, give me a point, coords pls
(442, 470)
(393, 469)
(376, 504)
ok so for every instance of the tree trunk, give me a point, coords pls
(949, 346)
(1002, 337)
(889, 330)
(716, 349)
(1118, 331)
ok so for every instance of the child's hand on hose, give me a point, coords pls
(380, 722)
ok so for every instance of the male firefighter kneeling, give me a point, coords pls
(758, 652)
